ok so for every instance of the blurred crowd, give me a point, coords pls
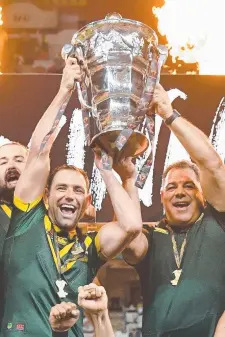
(126, 322)
(28, 53)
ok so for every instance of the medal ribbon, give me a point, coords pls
(178, 256)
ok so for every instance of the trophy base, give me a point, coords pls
(135, 146)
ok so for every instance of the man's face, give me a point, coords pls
(182, 197)
(12, 162)
(68, 198)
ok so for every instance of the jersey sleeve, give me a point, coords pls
(218, 216)
(25, 215)
(94, 257)
(148, 232)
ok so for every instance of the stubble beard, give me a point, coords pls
(6, 194)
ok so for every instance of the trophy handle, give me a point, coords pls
(163, 54)
(81, 98)
(75, 51)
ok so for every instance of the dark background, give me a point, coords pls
(24, 98)
(87, 11)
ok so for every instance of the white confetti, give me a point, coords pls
(76, 143)
(217, 135)
(145, 194)
(175, 150)
(97, 188)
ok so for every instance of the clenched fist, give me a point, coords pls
(63, 316)
(92, 299)
(72, 72)
(161, 103)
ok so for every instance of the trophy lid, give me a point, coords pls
(114, 21)
(113, 16)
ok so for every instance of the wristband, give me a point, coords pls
(169, 120)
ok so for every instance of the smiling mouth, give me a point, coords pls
(67, 210)
(181, 204)
(12, 177)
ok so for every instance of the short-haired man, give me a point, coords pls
(12, 162)
(46, 258)
(181, 261)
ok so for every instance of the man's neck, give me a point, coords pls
(179, 227)
(61, 228)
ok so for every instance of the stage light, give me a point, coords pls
(2, 38)
(195, 32)
(1, 21)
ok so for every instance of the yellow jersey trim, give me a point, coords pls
(87, 242)
(68, 266)
(7, 210)
(66, 249)
(161, 230)
(97, 243)
(26, 207)
(48, 228)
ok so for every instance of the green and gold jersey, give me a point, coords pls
(5, 215)
(193, 306)
(30, 270)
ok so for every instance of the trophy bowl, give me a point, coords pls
(120, 56)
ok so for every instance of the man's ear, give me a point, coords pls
(89, 199)
(89, 211)
(45, 197)
(161, 196)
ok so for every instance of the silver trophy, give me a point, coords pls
(123, 62)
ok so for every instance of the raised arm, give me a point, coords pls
(137, 248)
(94, 301)
(212, 169)
(32, 181)
(115, 236)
